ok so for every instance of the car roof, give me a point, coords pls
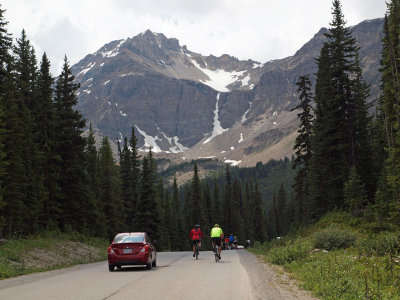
(128, 233)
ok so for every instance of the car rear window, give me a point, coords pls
(128, 239)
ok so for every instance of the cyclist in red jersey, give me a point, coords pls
(196, 235)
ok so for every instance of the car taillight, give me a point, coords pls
(145, 249)
(110, 250)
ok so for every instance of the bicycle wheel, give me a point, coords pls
(216, 254)
(197, 251)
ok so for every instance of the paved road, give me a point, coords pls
(239, 275)
(177, 276)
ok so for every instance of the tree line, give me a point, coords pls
(346, 157)
(54, 178)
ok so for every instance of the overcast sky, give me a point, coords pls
(261, 30)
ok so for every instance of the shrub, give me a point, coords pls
(291, 252)
(381, 244)
(334, 238)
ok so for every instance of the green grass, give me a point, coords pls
(341, 258)
(49, 251)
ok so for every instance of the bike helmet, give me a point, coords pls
(197, 226)
(216, 225)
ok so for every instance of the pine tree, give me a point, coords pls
(147, 218)
(237, 202)
(5, 58)
(168, 228)
(26, 79)
(217, 213)
(259, 219)
(281, 211)
(177, 242)
(302, 149)
(390, 105)
(340, 118)
(110, 187)
(126, 182)
(45, 138)
(134, 161)
(228, 207)
(354, 193)
(96, 220)
(248, 213)
(196, 199)
(70, 146)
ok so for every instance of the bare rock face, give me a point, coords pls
(195, 106)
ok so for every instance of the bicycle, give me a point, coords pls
(197, 250)
(216, 253)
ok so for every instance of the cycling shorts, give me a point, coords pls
(194, 242)
(216, 240)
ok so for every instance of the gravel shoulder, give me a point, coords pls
(269, 281)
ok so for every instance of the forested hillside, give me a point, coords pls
(53, 178)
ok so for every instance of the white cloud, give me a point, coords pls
(257, 29)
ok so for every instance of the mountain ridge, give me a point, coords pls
(177, 99)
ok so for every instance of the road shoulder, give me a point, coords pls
(269, 281)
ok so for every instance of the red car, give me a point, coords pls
(131, 248)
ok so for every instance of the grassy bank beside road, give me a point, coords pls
(341, 258)
(49, 251)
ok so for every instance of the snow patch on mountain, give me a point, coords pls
(241, 138)
(149, 141)
(245, 81)
(232, 162)
(113, 52)
(219, 79)
(246, 112)
(88, 67)
(217, 130)
(176, 147)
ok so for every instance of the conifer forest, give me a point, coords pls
(55, 177)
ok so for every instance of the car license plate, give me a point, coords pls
(126, 251)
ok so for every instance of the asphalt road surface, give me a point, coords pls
(177, 276)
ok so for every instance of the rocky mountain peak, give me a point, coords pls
(185, 105)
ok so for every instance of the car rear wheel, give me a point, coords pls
(111, 268)
(149, 266)
(154, 264)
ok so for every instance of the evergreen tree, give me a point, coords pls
(97, 218)
(168, 226)
(354, 192)
(147, 218)
(48, 169)
(237, 201)
(127, 182)
(110, 187)
(248, 206)
(390, 105)
(217, 213)
(196, 200)
(259, 219)
(70, 146)
(5, 58)
(209, 206)
(340, 118)
(228, 207)
(25, 78)
(177, 243)
(302, 149)
(281, 211)
(134, 162)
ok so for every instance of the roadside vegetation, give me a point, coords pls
(341, 257)
(48, 251)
